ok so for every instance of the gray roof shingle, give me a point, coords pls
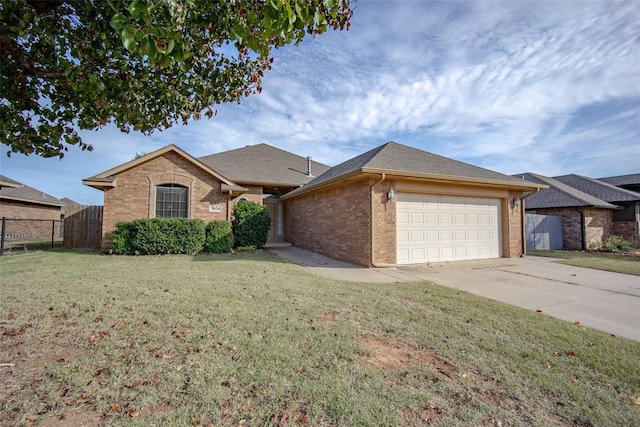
(622, 180)
(404, 159)
(263, 163)
(28, 194)
(560, 195)
(602, 190)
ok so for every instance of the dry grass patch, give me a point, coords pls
(384, 355)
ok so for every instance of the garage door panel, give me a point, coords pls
(446, 228)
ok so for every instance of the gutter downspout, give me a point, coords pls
(523, 240)
(583, 239)
(373, 228)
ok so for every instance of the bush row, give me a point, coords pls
(190, 236)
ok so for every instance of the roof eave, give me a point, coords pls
(527, 186)
(99, 184)
(308, 188)
(524, 186)
(38, 202)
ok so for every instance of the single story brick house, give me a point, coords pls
(19, 202)
(591, 209)
(391, 205)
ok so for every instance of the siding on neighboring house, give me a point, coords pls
(15, 209)
(134, 194)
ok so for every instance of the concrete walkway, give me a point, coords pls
(597, 299)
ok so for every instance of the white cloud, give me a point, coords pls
(504, 85)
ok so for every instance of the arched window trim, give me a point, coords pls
(166, 179)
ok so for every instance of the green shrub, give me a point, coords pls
(121, 239)
(219, 237)
(159, 236)
(251, 224)
(616, 244)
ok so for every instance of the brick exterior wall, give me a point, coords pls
(628, 230)
(14, 209)
(134, 194)
(333, 222)
(512, 246)
(598, 225)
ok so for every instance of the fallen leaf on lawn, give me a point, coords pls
(636, 400)
(64, 392)
(538, 311)
(412, 320)
(283, 419)
(133, 413)
(92, 338)
(132, 384)
(303, 419)
(195, 421)
(576, 322)
(574, 380)
(116, 407)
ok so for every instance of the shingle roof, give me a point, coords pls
(559, 195)
(602, 190)
(263, 163)
(403, 160)
(621, 180)
(25, 193)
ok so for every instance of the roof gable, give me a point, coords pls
(263, 164)
(402, 160)
(24, 193)
(602, 190)
(107, 178)
(560, 195)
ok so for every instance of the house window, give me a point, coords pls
(171, 201)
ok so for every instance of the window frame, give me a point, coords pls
(160, 203)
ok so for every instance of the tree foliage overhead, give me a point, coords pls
(143, 65)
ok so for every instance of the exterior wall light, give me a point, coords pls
(391, 195)
(516, 202)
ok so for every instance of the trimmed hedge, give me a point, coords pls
(219, 237)
(251, 224)
(159, 236)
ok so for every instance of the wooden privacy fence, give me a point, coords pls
(83, 227)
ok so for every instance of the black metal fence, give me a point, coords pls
(23, 234)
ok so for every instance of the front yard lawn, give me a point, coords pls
(627, 264)
(249, 340)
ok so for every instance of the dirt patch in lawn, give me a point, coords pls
(385, 355)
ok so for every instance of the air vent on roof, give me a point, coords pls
(309, 166)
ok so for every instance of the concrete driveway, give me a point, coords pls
(597, 299)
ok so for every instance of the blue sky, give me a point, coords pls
(551, 87)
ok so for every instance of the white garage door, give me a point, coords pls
(447, 228)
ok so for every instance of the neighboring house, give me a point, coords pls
(628, 182)
(591, 209)
(392, 205)
(20, 202)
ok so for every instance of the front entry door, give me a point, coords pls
(273, 211)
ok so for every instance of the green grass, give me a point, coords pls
(246, 339)
(599, 261)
